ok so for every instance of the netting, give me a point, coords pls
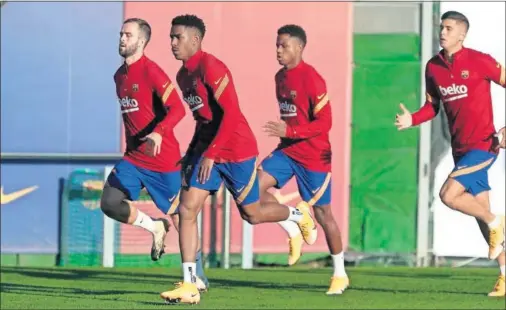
(82, 223)
(82, 227)
(81, 219)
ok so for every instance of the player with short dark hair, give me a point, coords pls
(151, 108)
(223, 150)
(295, 31)
(460, 78)
(304, 151)
(457, 17)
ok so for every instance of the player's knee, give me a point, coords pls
(108, 201)
(447, 197)
(252, 219)
(188, 211)
(113, 204)
(323, 215)
(251, 214)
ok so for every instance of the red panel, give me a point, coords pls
(243, 35)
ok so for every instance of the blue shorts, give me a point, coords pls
(163, 187)
(314, 187)
(240, 179)
(471, 170)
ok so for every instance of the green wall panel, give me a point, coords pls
(384, 162)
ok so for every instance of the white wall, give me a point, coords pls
(456, 234)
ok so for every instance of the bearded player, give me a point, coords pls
(223, 149)
(460, 78)
(151, 108)
(304, 151)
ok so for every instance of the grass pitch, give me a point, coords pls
(273, 288)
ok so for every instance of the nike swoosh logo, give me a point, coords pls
(218, 81)
(240, 189)
(7, 198)
(320, 97)
(283, 199)
(165, 85)
(314, 192)
(172, 198)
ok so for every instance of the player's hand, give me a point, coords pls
(205, 168)
(275, 129)
(404, 120)
(154, 143)
(501, 137)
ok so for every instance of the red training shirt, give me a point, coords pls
(305, 107)
(149, 103)
(464, 88)
(222, 130)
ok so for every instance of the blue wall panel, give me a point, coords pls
(57, 96)
(30, 224)
(57, 64)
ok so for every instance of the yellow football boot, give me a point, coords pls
(185, 293)
(499, 288)
(338, 285)
(307, 225)
(496, 240)
(295, 244)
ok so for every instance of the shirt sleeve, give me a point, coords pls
(217, 78)
(492, 70)
(321, 111)
(167, 93)
(431, 107)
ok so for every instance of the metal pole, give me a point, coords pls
(247, 245)
(423, 216)
(213, 262)
(108, 233)
(199, 224)
(225, 246)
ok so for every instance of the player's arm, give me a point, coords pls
(195, 139)
(320, 105)
(167, 93)
(492, 70)
(217, 78)
(431, 107)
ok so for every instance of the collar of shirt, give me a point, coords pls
(134, 65)
(458, 55)
(193, 62)
(296, 68)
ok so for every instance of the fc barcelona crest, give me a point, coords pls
(135, 87)
(464, 74)
(293, 94)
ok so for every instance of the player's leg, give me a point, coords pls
(124, 185)
(499, 289)
(468, 179)
(315, 189)
(276, 171)
(202, 281)
(241, 180)
(163, 187)
(192, 198)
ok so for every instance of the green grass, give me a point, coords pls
(278, 288)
